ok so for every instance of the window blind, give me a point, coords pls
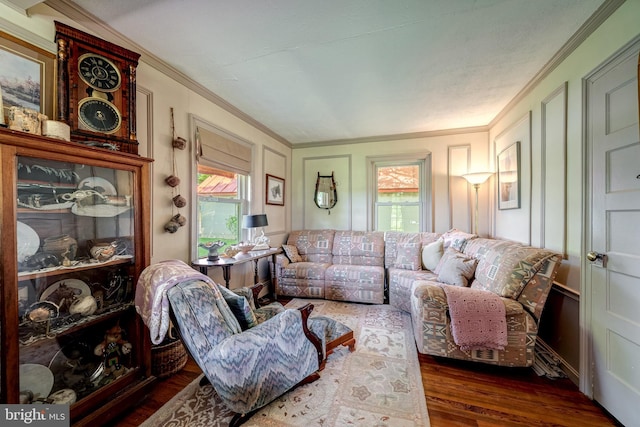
(218, 151)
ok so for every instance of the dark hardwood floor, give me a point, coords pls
(458, 394)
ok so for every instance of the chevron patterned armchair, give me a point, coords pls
(249, 363)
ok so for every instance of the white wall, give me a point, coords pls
(617, 31)
(452, 202)
(157, 94)
(450, 193)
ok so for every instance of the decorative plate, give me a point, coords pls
(79, 288)
(38, 379)
(28, 241)
(102, 210)
(98, 184)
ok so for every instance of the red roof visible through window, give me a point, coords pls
(396, 179)
(219, 186)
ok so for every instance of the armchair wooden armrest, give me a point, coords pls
(305, 311)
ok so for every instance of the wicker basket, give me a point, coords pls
(168, 357)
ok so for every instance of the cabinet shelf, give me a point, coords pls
(59, 271)
(77, 325)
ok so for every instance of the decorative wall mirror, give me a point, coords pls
(326, 195)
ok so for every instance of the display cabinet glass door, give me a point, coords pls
(76, 268)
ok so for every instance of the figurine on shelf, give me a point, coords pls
(113, 348)
(212, 247)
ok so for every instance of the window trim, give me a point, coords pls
(423, 160)
(196, 122)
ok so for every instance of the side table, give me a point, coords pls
(203, 264)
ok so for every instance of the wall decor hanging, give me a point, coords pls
(274, 190)
(509, 177)
(27, 75)
(325, 195)
(177, 220)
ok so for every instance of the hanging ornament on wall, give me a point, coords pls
(177, 220)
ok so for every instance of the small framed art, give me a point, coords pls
(26, 76)
(509, 177)
(274, 190)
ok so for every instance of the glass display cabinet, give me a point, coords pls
(74, 238)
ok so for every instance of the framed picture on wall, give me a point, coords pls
(26, 76)
(274, 190)
(509, 177)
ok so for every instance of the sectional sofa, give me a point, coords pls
(423, 274)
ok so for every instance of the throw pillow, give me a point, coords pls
(431, 254)
(408, 256)
(291, 252)
(455, 268)
(240, 308)
(456, 239)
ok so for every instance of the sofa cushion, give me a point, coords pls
(400, 282)
(358, 248)
(408, 256)
(431, 254)
(504, 267)
(311, 242)
(455, 268)
(305, 270)
(456, 239)
(291, 252)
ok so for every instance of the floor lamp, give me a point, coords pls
(476, 179)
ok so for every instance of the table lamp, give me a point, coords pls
(255, 221)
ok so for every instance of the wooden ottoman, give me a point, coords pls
(332, 334)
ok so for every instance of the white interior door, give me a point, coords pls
(613, 237)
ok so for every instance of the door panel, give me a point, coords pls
(614, 232)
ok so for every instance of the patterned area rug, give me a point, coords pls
(377, 385)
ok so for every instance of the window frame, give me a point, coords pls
(245, 186)
(242, 201)
(423, 161)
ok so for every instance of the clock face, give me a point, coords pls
(99, 115)
(99, 72)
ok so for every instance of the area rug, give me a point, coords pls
(377, 385)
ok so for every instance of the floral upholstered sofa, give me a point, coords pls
(331, 264)
(445, 281)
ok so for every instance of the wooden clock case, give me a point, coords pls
(72, 89)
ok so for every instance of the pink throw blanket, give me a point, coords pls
(478, 318)
(152, 303)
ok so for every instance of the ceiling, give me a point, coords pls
(328, 70)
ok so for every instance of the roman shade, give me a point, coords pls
(219, 151)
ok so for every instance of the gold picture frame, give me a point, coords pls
(27, 76)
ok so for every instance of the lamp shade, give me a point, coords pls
(477, 178)
(253, 221)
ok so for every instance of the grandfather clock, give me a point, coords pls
(97, 90)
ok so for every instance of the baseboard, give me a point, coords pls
(571, 373)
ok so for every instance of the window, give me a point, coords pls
(221, 185)
(221, 197)
(399, 195)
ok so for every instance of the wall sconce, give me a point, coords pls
(255, 221)
(476, 179)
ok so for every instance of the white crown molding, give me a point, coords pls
(400, 136)
(26, 35)
(100, 28)
(74, 12)
(599, 16)
(21, 6)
